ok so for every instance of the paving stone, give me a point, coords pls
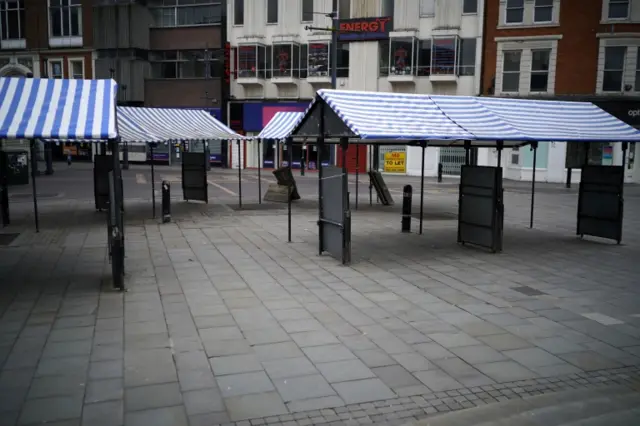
(359, 391)
(150, 366)
(303, 387)
(110, 413)
(437, 380)
(478, 354)
(305, 405)
(208, 419)
(505, 342)
(314, 338)
(203, 401)
(221, 333)
(226, 347)
(71, 334)
(395, 376)
(256, 405)
(107, 352)
(166, 416)
(413, 361)
(152, 396)
(463, 372)
(195, 379)
(375, 358)
(49, 386)
(266, 335)
(340, 371)
(195, 360)
(290, 367)
(106, 369)
(63, 366)
(42, 410)
(234, 364)
(433, 351)
(328, 353)
(244, 384)
(104, 390)
(533, 357)
(589, 361)
(505, 371)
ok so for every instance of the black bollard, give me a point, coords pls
(166, 201)
(406, 208)
(439, 172)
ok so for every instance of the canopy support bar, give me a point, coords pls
(370, 155)
(423, 144)
(153, 180)
(534, 147)
(625, 146)
(259, 176)
(357, 172)
(290, 186)
(239, 175)
(499, 147)
(34, 165)
(467, 148)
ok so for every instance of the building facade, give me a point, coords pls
(407, 46)
(165, 53)
(566, 49)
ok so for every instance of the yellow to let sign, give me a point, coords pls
(395, 162)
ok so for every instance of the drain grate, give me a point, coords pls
(529, 291)
(6, 239)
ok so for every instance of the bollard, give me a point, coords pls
(406, 208)
(166, 201)
(439, 172)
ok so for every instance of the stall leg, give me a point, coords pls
(424, 146)
(239, 175)
(320, 144)
(153, 182)
(568, 183)
(259, 176)
(370, 148)
(357, 173)
(534, 147)
(34, 172)
(290, 186)
(303, 158)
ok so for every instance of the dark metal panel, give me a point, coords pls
(333, 211)
(102, 166)
(334, 126)
(601, 202)
(194, 176)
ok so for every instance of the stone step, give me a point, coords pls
(553, 409)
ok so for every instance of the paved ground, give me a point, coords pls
(224, 321)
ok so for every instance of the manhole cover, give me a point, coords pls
(6, 239)
(529, 291)
(29, 196)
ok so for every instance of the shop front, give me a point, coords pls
(249, 118)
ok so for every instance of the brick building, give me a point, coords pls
(565, 49)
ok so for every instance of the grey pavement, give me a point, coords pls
(225, 321)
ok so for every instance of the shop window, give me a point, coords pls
(180, 13)
(443, 56)
(424, 58)
(401, 56)
(342, 68)
(383, 49)
(252, 61)
(467, 56)
(319, 60)
(285, 60)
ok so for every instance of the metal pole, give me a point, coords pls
(369, 148)
(625, 146)
(424, 146)
(153, 182)
(239, 176)
(534, 145)
(357, 173)
(320, 143)
(34, 163)
(290, 186)
(259, 176)
(335, 26)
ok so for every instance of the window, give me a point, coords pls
(618, 9)
(285, 60)
(272, 11)
(511, 70)
(443, 56)
(342, 65)
(543, 11)
(637, 85)
(76, 68)
(514, 12)
(614, 57)
(344, 9)
(515, 156)
(184, 64)
(383, 58)
(12, 19)
(65, 18)
(467, 56)
(401, 60)
(424, 57)
(319, 60)
(539, 70)
(238, 12)
(180, 13)
(427, 7)
(253, 61)
(55, 68)
(470, 6)
(307, 10)
(386, 7)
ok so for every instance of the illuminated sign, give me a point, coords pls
(362, 29)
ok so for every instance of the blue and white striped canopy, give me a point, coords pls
(178, 124)
(33, 108)
(130, 131)
(560, 120)
(392, 116)
(281, 125)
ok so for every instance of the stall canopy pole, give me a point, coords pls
(320, 142)
(239, 176)
(625, 146)
(467, 147)
(370, 155)
(534, 146)
(153, 181)
(34, 164)
(259, 177)
(499, 146)
(424, 146)
(357, 173)
(290, 185)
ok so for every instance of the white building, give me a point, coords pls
(408, 46)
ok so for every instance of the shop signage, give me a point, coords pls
(395, 162)
(363, 29)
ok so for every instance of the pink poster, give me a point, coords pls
(269, 111)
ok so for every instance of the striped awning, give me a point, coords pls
(178, 124)
(32, 108)
(559, 120)
(281, 125)
(132, 132)
(391, 116)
